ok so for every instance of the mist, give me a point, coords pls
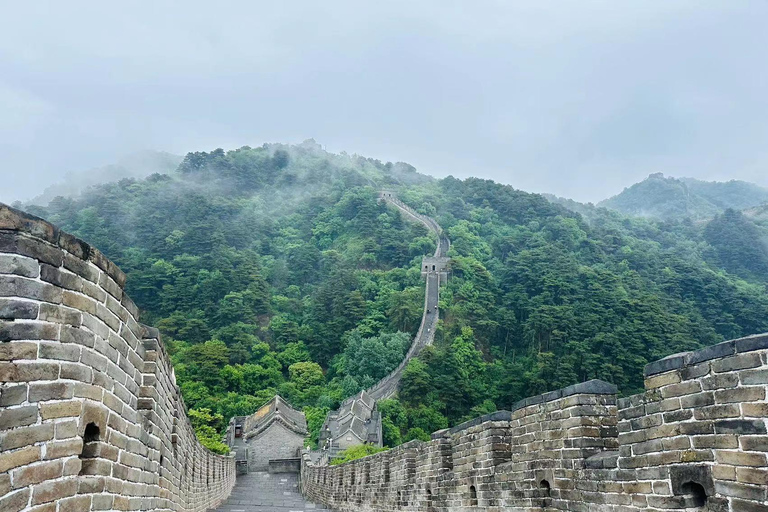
(579, 100)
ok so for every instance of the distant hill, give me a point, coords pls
(664, 197)
(135, 165)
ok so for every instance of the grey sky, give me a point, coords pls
(576, 98)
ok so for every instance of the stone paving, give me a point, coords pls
(265, 492)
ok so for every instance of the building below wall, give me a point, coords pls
(356, 422)
(276, 432)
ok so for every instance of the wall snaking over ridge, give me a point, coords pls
(90, 414)
(695, 440)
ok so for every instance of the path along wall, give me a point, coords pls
(90, 414)
(694, 440)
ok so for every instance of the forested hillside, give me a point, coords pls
(669, 198)
(275, 269)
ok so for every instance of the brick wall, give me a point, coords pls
(276, 442)
(694, 440)
(90, 414)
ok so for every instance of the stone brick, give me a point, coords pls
(66, 429)
(14, 309)
(19, 265)
(10, 331)
(14, 502)
(39, 392)
(754, 443)
(79, 302)
(755, 377)
(17, 458)
(20, 437)
(59, 352)
(77, 336)
(744, 394)
(61, 278)
(741, 458)
(19, 350)
(37, 473)
(18, 417)
(54, 490)
(76, 371)
(13, 394)
(56, 313)
(737, 362)
(12, 286)
(24, 371)
(64, 448)
(50, 410)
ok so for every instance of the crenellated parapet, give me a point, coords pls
(696, 439)
(91, 417)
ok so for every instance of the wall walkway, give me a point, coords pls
(387, 386)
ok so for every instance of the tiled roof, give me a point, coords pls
(276, 409)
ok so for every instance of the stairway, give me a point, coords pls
(265, 492)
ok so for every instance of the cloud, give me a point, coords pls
(578, 99)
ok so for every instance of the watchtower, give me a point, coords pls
(439, 265)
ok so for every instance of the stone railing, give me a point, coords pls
(694, 440)
(90, 414)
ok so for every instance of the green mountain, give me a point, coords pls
(135, 165)
(666, 198)
(276, 269)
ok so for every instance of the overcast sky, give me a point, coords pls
(578, 98)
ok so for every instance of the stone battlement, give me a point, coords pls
(90, 414)
(696, 439)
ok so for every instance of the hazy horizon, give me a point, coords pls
(577, 100)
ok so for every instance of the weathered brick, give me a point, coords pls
(12, 286)
(50, 410)
(28, 331)
(20, 437)
(744, 394)
(66, 448)
(17, 458)
(15, 309)
(56, 313)
(39, 392)
(741, 458)
(14, 502)
(18, 417)
(54, 490)
(61, 278)
(37, 473)
(737, 362)
(19, 350)
(19, 265)
(31, 371)
(13, 394)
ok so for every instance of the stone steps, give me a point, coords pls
(265, 492)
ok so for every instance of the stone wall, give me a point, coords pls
(694, 440)
(277, 441)
(90, 414)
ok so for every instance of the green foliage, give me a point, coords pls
(356, 452)
(739, 245)
(276, 269)
(207, 427)
(670, 198)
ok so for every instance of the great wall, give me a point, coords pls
(91, 419)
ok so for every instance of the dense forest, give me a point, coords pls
(276, 270)
(664, 197)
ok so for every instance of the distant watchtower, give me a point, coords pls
(436, 265)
